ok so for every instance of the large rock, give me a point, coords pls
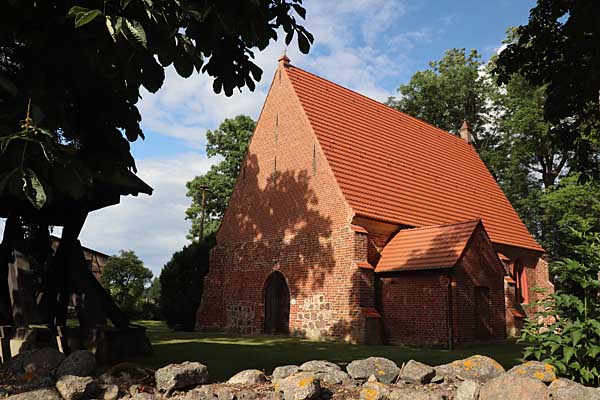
(536, 370)
(333, 377)
(109, 392)
(512, 387)
(284, 371)
(78, 363)
(374, 391)
(300, 386)
(414, 394)
(127, 374)
(319, 366)
(385, 370)
(178, 376)
(206, 393)
(248, 377)
(45, 359)
(41, 394)
(467, 390)
(416, 372)
(479, 368)
(566, 389)
(73, 387)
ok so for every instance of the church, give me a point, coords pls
(353, 221)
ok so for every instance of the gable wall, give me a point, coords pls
(286, 214)
(479, 266)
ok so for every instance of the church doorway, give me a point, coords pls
(277, 304)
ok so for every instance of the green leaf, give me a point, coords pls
(184, 66)
(303, 43)
(568, 354)
(137, 31)
(33, 189)
(84, 18)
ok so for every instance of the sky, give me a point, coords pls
(370, 46)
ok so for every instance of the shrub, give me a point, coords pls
(565, 331)
(181, 282)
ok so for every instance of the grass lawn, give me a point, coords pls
(226, 354)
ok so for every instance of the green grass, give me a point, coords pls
(226, 354)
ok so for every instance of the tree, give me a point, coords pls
(451, 91)
(71, 74)
(230, 142)
(181, 282)
(125, 277)
(558, 49)
(569, 206)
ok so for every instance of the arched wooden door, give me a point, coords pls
(277, 304)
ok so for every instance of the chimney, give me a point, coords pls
(465, 132)
(284, 60)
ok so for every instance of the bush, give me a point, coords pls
(181, 282)
(565, 331)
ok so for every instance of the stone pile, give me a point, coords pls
(47, 375)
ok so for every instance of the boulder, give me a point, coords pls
(566, 389)
(374, 391)
(127, 374)
(78, 363)
(145, 396)
(536, 370)
(206, 393)
(333, 377)
(416, 372)
(109, 392)
(41, 394)
(73, 387)
(45, 359)
(467, 390)
(248, 377)
(479, 368)
(319, 366)
(284, 371)
(300, 386)
(224, 393)
(414, 394)
(385, 370)
(178, 376)
(512, 386)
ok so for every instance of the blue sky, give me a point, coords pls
(371, 46)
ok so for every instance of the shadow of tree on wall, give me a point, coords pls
(273, 223)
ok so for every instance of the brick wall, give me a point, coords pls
(415, 303)
(286, 214)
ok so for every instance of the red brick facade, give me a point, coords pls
(288, 214)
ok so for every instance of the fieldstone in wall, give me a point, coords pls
(178, 376)
(385, 370)
(284, 371)
(566, 389)
(512, 387)
(248, 377)
(240, 318)
(477, 367)
(536, 370)
(300, 386)
(416, 372)
(315, 316)
(78, 363)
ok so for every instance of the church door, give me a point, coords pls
(277, 304)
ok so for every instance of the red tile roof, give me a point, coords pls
(399, 169)
(426, 248)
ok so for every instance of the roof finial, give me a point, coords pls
(465, 132)
(284, 59)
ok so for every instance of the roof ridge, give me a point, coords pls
(468, 221)
(378, 103)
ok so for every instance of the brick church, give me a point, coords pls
(353, 221)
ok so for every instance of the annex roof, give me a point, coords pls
(399, 169)
(432, 247)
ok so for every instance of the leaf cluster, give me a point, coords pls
(82, 64)
(570, 340)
